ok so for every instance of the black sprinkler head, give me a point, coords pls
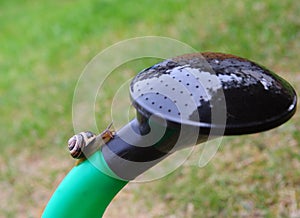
(182, 101)
(191, 89)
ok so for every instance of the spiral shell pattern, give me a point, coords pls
(79, 142)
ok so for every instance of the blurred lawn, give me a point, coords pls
(45, 45)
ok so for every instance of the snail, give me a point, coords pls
(86, 143)
(79, 142)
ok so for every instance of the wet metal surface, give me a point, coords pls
(214, 90)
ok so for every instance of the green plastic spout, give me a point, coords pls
(86, 191)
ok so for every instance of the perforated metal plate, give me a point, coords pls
(214, 90)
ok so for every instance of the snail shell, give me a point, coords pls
(79, 142)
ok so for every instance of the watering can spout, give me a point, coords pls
(182, 101)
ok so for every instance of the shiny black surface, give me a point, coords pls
(128, 154)
(214, 91)
(185, 100)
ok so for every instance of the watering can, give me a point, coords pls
(180, 102)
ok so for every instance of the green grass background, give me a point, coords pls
(44, 47)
